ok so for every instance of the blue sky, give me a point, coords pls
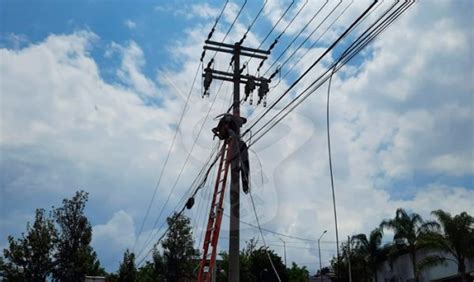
(91, 92)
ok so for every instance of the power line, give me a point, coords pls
(187, 158)
(204, 174)
(296, 37)
(310, 67)
(281, 33)
(363, 40)
(271, 30)
(311, 34)
(317, 40)
(275, 232)
(167, 157)
(213, 29)
(253, 22)
(263, 237)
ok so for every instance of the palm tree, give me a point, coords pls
(409, 231)
(370, 248)
(455, 238)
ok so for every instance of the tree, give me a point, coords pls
(74, 256)
(370, 249)
(152, 271)
(30, 257)
(298, 274)
(127, 270)
(178, 248)
(359, 267)
(453, 235)
(409, 231)
(255, 264)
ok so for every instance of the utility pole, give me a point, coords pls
(349, 257)
(319, 251)
(251, 82)
(234, 231)
(284, 249)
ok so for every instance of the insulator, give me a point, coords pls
(249, 86)
(263, 90)
(190, 203)
(207, 79)
(210, 63)
(273, 45)
(211, 33)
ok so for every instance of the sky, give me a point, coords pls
(92, 92)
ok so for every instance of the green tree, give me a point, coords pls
(360, 270)
(178, 250)
(370, 249)
(409, 232)
(152, 271)
(453, 235)
(30, 257)
(127, 270)
(74, 256)
(255, 264)
(298, 274)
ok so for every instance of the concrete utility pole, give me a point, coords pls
(349, 257)
(237, 78)
(284, 249)
(319, 251)
(234, 231)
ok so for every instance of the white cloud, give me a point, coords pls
(130, 24)
(406, 111)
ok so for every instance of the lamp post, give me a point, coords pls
(284, 249)
(319, 251)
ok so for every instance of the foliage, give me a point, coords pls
(369, 250)
(360, 269)
(152, 271)
(29, 258)
(127, 270)
(74, 256)
(178, 248)
(298, 274)
(453, 235)
(255, 264)
(410, 230)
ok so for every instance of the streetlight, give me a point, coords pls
(319, 251)
(284, 248)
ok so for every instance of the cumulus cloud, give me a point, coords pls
(130, 24)
(405, 111)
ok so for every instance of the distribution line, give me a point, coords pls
(232, 25)
(317, 40)
(347, 31)
(204, 173)
(213, 29)
(167, 157)
(202, 57)
(296, 37)
(253, 22)
(263, 237)
(271, 30)
(309, 36)
(363, 40)
(185, 162)
(281, 34)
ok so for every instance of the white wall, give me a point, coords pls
(401, 268)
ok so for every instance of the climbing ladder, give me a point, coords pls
(211, 238)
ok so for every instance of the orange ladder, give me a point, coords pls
(211, 238)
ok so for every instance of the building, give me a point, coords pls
(400, 269)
